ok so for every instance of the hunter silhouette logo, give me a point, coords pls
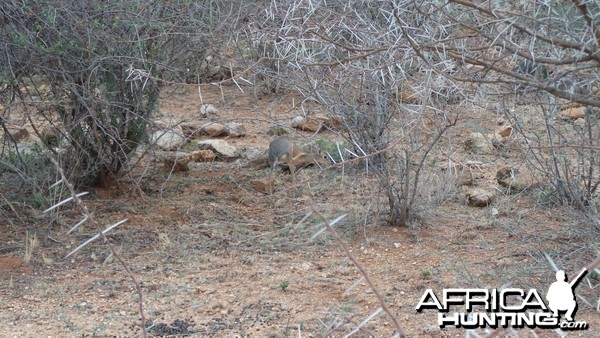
(507, 307)
(561, 295)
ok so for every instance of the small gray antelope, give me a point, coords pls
(283, 150)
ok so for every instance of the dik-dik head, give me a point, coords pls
(319, 157)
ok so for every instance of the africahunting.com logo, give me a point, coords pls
(509, 307)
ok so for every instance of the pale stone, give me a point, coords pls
(235, 129)
(220, 146)
(479, 197)
(208, 109)
(573, 113)
(169, 139)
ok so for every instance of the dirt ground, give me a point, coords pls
(217, 259)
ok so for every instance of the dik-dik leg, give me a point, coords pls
(292, 170)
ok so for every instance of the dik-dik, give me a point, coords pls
(283, 150)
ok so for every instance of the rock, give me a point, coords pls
(477, 143)
(202, 156)
(221, 147)
(480, 197)
(317, 122)
(177, 161)
(213, 129)
(169, 139)
(511, 179)
(235, 129)
(579, 122)
(275, 130)
(495, 212)
(573, 113)
(305, 124)
(165, 123)
(206, 110)
(192, 129)
(297, 121)
(196, 129)
(335, 123)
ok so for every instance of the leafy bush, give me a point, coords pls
(92, 69)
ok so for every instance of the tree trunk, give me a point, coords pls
(398, 210)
